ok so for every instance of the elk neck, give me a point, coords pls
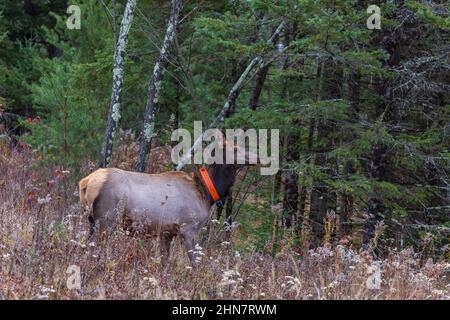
(222, 175)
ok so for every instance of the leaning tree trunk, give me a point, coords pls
(114, 106)
(260, 79)
(155, 87)
(255, 66)
(262, 74)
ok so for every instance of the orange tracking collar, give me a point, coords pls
(209, 184)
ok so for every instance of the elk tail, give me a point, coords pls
(83, 184)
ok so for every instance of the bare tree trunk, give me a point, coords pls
(255, 65)
(346, 215)
(348, 199)
(154, 88)
(276, 187)
(290, 199)
(322, 198)
(260, 79)
(262, 74)
(306, 192)
(291, 195)
(304, 189)
(376, 208)
(175, 116)
(114, 107)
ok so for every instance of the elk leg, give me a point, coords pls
(165, 242)
(104, 216)
(189, 243)
(91, 227)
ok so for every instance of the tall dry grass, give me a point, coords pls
(43, 231)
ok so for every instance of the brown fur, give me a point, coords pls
(91, 186)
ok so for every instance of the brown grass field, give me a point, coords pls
(43, 231)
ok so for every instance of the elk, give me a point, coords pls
(166, 204)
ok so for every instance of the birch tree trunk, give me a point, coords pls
(253, 68)
(116, 94)
(154, 89)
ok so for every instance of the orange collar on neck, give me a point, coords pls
(209, 184)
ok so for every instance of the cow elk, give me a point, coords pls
(165, 205)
